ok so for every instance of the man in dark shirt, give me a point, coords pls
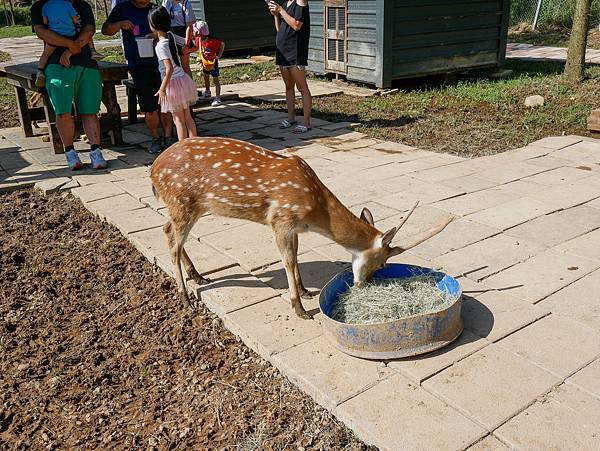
(72, 75)
(131, 17)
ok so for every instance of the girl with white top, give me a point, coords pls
(177, 91)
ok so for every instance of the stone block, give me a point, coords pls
(328, 375)
(409, 190)
(556, 142)
(233, 289)
(138, 187)
(509, 172)
(484, 258)
(92, 179)
(569, 195)
(116, 204)
(271, 327)
(494, 315)
(489, 443)
(541, 275)
(99, 191)
(136, 220)
(251, 245)
(136, 172)
(209, 224)
(468, 183)
(151, 243)
(491, 385)
(440, 174)
(398, 415)
(579, 301)
(559, 176)
(477, 201)
(564, 419)
(50, 186)
(587, 246)
(511, 213)
(205, 258)
(587, 379)
(419, 368)
(152, 202)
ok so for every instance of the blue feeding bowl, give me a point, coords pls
(404, 337)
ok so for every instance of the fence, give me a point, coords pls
(553, 13)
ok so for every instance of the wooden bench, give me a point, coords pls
(132, 108)
(22, 77)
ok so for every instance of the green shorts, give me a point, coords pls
(76, 83)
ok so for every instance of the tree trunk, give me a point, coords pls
(12, 12)
(578, 42)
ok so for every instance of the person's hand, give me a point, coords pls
(126, 25)
(65, 58)
(162, 95)
(274, 8)
(74, 48)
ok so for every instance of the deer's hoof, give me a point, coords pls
(305, 294)
(196, 277)
(302, 313)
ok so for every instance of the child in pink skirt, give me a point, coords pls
(177, 91)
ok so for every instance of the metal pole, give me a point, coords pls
(537, 14)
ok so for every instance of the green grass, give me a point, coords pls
(114, 54)
(8, 104)
(15, 31)
(471, 117)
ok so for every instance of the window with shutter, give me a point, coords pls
(335, 35)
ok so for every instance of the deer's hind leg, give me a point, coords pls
(285, 243)
(304, 293)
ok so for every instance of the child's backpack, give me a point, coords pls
(209, 49)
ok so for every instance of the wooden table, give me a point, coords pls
(22, 77)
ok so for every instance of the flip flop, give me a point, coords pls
(301, 129)
(286, 124)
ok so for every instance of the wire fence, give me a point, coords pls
(552, 13)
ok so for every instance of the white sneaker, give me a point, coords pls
(206, 94)
(73, 160)
(216, 102)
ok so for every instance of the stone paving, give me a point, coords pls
(525, 245)
(545, 53)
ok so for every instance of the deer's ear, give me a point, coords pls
(388, 236)
(395, 251)
(366, 216)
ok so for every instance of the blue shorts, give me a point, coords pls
(214, 71)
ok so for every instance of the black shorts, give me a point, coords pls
(147, 81)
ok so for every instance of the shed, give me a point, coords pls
(378, 41)
(241, 24)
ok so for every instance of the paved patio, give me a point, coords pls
(526, 244)
(545, 53)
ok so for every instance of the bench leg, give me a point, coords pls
(24, 114)
(109, 98)
(131, 105)
(52, 130)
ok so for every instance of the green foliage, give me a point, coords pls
(21, 14)
(553, 12)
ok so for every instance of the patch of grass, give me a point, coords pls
(113, 54)
(8, 104)
(243, 74)
(473, 116)
(15, 31)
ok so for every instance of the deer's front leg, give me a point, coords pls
(285, 243)
(304, 293)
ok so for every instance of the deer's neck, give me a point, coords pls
(343, 227)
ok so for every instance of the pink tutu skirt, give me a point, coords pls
(181, 94)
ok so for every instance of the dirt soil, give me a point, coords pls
(97, 353)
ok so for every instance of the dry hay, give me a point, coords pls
(390, 299)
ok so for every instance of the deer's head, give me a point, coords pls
(366, 262)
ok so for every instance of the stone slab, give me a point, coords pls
(477, 201)
(271, 326)
(579, 301)
(410, 190)
(468, 183)
(559, 176)
(511, 213)
(205, 258)
(92, 179)
(116, 204)
(50, 186)
(96, 192)
(136, 220)
(509, 172)
(328, 375)
(209, 224)
(150, 243)
(567, 418)
(569, 195)
(420, 368)
(233, 289)
(489, 443)
(587, 379)
(491, 385)
(138, 187)
(494, 315)
(559, 345)
(587, 246)
(487, 257)
(398, 415)
(542, 275)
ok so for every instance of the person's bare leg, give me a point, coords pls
(48, 50)
(91, 125)
(153, 123)
(206, 81)
(167, 124)
(290, 93)
(66, 128)
(180, 124)
(185, 63)
(217, 86)
(299, 77)
(190, 123)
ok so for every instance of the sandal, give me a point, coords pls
(286, 124)
(301, 128)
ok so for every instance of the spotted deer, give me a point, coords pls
(236, 179)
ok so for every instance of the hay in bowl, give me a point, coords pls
(390, 299)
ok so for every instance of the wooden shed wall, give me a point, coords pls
(241, 24)
(362, 49)
(429, 36)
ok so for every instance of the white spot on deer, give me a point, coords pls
(242, 178)
(238, 145)
(308, 207)
(283, 185)
(234, 187)
(306, 189)
(198, 157)
(228, 160)
(169, 171)
(230, 179)
(295, 185)
(295, 207)
(286, 206)
(226, 143)
(186, 166)
(216, 165)
(255, 169)
(216, 184)
(249, 164)
(178, 157)
(175, 176)
(213, 140)
(179, 185)
(223, 174)
(210, 195)
(253, 194)
(248, 186)
(247, 148)
(209, 154)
